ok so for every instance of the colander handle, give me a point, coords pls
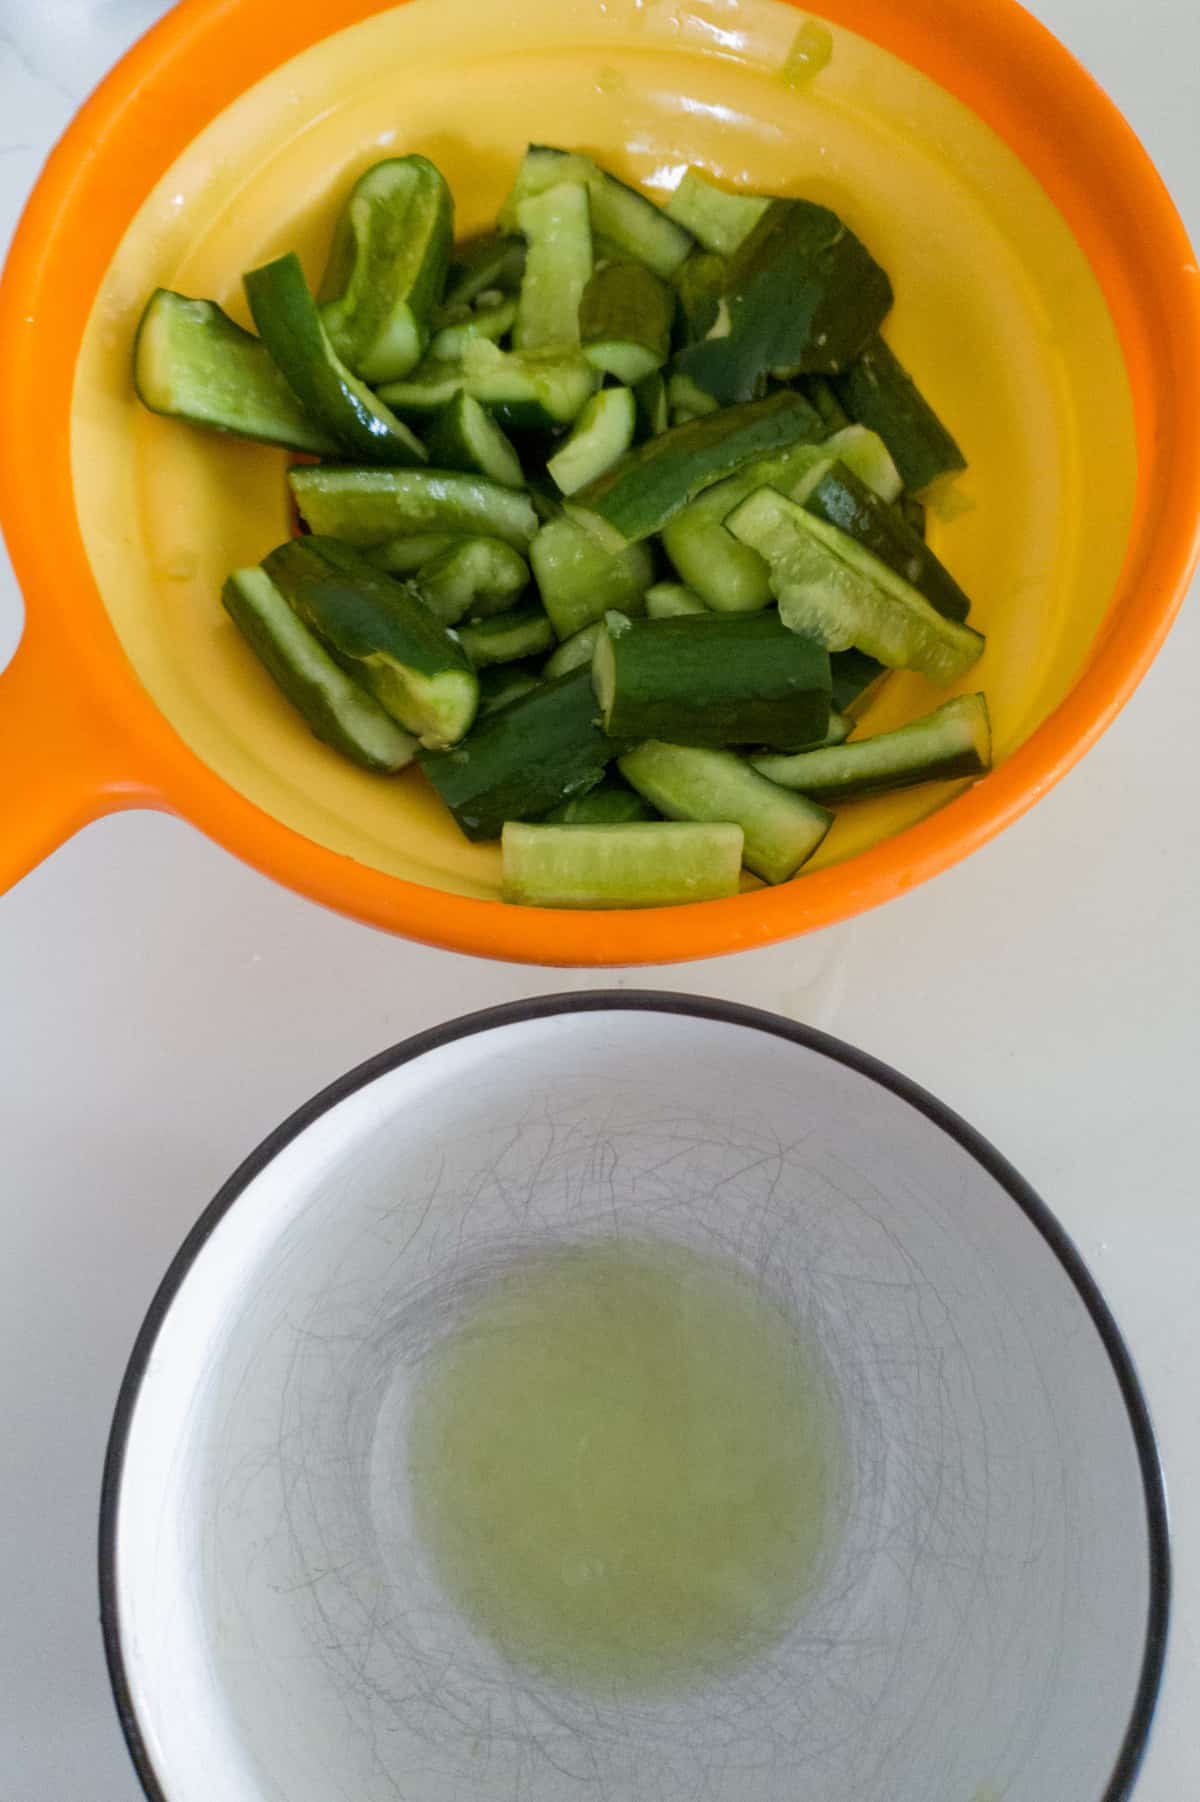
(61, 764)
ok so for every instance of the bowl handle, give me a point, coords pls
(62, 764)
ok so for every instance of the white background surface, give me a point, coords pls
(161, 1008)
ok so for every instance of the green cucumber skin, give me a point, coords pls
(611, 803)
(533, 390)
(699, 286)
(191, 361)
(714, 681)
(852, 674)
(491, 260)
(335, 708)
(580, 581)
(369, 506)
(507, 637)
(501, 683)
(684, 782)
(802, 295)
(381, 630)
(626, 303)
(818, 392)
(462, 435)
(952, 742)
(658, 479)
(878, 392)
(524, 758)
(387, 267)
(644, 864)
(842, 500)
(290, 326)
(652, 414)
(619, 213)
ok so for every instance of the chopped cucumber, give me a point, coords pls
(463, 435)
(645, 864)
(954, 740)
(336, 709)
(618, 212)
(387, 267)
(653, 416)
(370, 506)
(741, 679)
(831, 589)
(507, 637)
(864, 452)
(687, 400)
(494, 260)
(853, 676)
(405, 556)
(625, 321)
(602, 434)
(190, 361)
(717, 219)
(431, 386)
(688, 783)
(841, 500)
(580, 581)
(642, 492)
(471, 578)
(557, 228)
(534, 390)
(380, 629)
(878, 391)
(492, 322)
(802, 295)
(700, 285)
(290, 324)
(611, 803)
(730, 577)
(672, 600)
(818, 392)
(574, 652)
(501, 683)
(524, 758)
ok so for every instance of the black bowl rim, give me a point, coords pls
(729, 1013)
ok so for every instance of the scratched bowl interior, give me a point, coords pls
(987, 1624)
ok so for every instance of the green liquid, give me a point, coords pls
(623, 1464)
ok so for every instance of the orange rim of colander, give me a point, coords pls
(79, 735)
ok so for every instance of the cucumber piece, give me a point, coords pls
(387, 267)
(493, 260)
(370, 506)
(463, 435)
(471, 578)
(954, 740)
(841, 500)
(641, 493)
(573, 652)
(618, 212)
(853, 675)
(820, 396)
(382, 631)
(336, 709)
(557, 228)
(672, 600)
(868, 456)
(290, 324)
(612, 803)
(405, 556)
(580, 581)
(831, 589)
(431, 386)
(840, 728)
(502, 683)
(524, 758)
(485, 322)
(730, 577)
(653, 416)
(625, 320)
(602, 434)
(912, 512)
(744, 679)
(645, 864)
(802, 295)
(717, 219)
(507, 637)
(533, 390)
(686, 400)
(687, 783)
(190, 361)
(699, 287)
(878, 391)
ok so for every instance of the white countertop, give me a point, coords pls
(162, 1007)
